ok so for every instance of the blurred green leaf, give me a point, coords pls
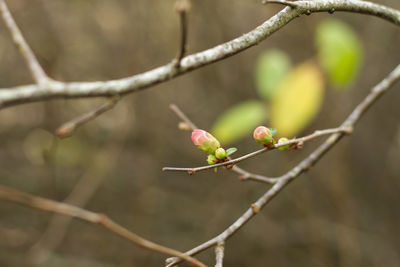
(239, 121)
(231, 150)
(298, 99)
(339, 52)
(272, 67)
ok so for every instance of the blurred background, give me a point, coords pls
(343, 212)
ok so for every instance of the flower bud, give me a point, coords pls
(263, 136)
(220, 153)
(283, 140)
(211, 159)
(205, 141)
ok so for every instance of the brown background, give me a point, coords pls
(343, 212)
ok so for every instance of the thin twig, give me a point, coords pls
(282, 2)
(182, 7)
(31, 61)
(295, 141)
(55, 89)
(219, 254)
(189, 125)
(245, 176)
(182, 116)
(13, 195)
(68, 128)
(303, 166)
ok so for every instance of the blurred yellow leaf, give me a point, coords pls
(298, 99)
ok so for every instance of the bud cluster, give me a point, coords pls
(265, 137)
(216, 154)
(209, 144)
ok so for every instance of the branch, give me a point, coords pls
(54, 89)
(182, 7)
(219, 254)
(31, 61)
(68, 128)
(245, 175)
(187, 124)
(13, 195)
(282, 2)
(303, 166)
(294, 142)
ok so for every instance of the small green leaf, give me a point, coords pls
(273, 131)
(231, 150)
(298, 100)
(239, 121)
(272, 67)
(339, 52)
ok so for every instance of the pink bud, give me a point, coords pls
(263, 136)
(205, 141)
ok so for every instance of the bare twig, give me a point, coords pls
(189, 125)
(54, 89)
(31, 61)
(219, 254)
(303, 166)
(295, 141)
(13, 195)
(182, 7)
(68, 128)
(182, 116)
(245, 176)
(282, 2)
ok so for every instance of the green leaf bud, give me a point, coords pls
(220, 153)
(211, 159)
(281, 141)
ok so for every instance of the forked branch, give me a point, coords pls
(303, 166)
(294, 142)
(32, 93)
(187, 124)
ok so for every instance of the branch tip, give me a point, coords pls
(243, 177)
(281, 2)
(68, 128)
(182, 6)
(184, 126)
